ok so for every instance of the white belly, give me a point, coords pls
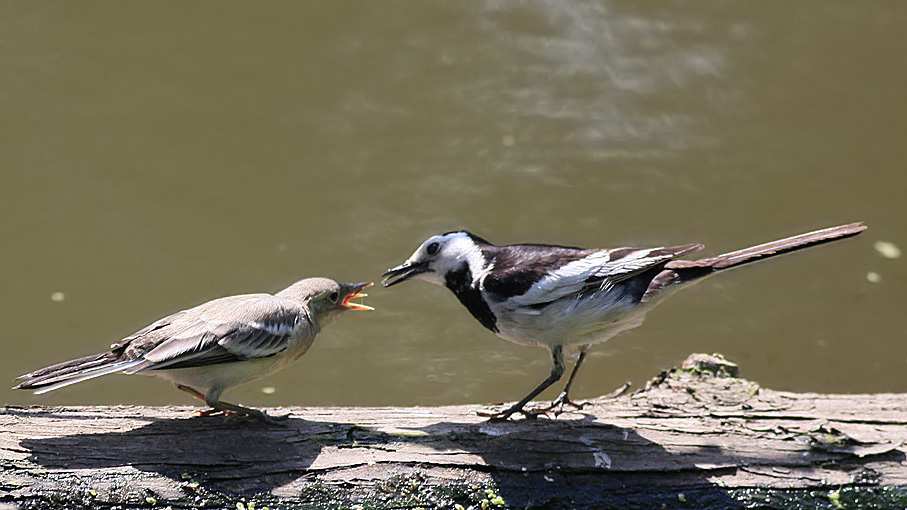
(569, 321)
(219, 377)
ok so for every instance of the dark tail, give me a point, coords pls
(71, 372)
(681, 271)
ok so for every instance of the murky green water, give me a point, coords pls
(154, 156)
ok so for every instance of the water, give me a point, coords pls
(158, 156)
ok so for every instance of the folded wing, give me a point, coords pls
(232, 329)
(226, 330)
(599, 271)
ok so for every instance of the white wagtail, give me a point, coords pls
(217, 345)
(559, 296)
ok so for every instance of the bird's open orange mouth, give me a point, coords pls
(356, 294)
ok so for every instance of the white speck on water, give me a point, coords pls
(268, 390)
(57, 297)
(887, 249)
(873, 277)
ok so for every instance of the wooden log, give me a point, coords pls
(695, 437)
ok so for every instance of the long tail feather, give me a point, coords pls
(67, 367)
(72, 371)
(754, 253)
(682, 271)
(84, 376)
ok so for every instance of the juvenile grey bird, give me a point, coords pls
(217, 345)
(559, 296)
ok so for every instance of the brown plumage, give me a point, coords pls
(216, 345)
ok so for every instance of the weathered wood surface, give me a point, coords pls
(691, 436)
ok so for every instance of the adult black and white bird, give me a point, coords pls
(560, 296)
(217, 345)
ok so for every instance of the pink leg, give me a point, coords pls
(199, 395)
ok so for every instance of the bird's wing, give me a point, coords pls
(225, 330)
(598, 271)
(148, 331)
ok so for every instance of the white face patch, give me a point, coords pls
(453, 250)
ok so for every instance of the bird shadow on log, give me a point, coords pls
(577, 458)
(593, 464)
(234, 455)
(584, 461)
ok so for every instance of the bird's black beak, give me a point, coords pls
(403, 272)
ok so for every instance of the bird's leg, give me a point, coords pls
(557, 405)
(201, 396)
(192, 391)
(228, 408)
(557, 370)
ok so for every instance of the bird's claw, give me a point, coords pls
(251, 413)
(557, 406)
(496, 416)
(214, 412)
(280, 419)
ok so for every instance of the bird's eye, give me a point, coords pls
(432, 248)
(334, 297)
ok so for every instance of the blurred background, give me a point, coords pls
(157, 155)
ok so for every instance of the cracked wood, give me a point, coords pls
(689, 428)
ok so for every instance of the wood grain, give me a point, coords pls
(696, 430)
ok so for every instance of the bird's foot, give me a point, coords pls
(214, 412)
(496, 416)
(557, 406)
(264, 417)
(275, 419)
(236, 411)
